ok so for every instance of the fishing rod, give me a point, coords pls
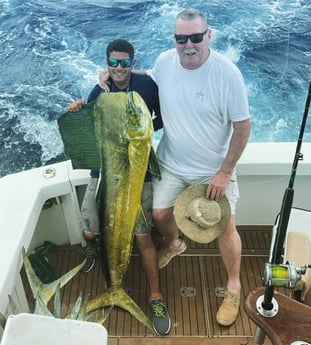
(276, 257)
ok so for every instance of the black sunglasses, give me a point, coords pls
(125, 63)
(194, 38)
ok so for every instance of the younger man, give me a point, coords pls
(120, 61)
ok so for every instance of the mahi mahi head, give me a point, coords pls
(114, 135)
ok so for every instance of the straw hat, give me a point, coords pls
(201, 219)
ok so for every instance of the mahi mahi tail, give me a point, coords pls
(119, 298)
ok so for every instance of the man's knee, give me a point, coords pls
(162, 215)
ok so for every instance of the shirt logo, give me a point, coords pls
(199, 95)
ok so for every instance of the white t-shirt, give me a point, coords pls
(198, 108)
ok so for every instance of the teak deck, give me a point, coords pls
(191, 285)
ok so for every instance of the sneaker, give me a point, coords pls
(161, 321)
(89, 253)
(228, 311)
(166, 254)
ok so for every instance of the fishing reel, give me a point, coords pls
(278, 275)
(283, 275)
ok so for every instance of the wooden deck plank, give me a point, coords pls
(193, 317)
(185, 341)
(183, 324)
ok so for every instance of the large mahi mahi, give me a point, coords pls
(113, 134)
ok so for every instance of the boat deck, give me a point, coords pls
(192, 286)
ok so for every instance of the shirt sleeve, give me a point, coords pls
(96, 91)
(157, 117)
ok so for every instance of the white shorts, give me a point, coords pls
(170, 186)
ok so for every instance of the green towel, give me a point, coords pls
(40, 263)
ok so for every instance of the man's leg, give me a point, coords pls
(230, 249)
(165, 193)
(165, 224)
(160, 318)
(148, 256)
(161, 321)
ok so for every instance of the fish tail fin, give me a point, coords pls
(121, 299)
(46, 291)
(127, 303)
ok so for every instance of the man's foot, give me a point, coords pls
(161, 321)
(89, 253)
(166, 254)
(229, 309)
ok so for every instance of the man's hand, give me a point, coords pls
(76, 105)
(219, 183)
(103, 80)
(217, 186)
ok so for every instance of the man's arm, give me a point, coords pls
(76, 105)
(219, 183)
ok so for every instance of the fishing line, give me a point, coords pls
(287, 52)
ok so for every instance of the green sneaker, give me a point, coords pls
(89, 253)
(161, 321)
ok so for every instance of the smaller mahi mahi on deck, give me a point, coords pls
(114, 134)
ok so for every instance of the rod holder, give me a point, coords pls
(265, 312)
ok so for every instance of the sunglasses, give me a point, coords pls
(125, 63)
(194, 38)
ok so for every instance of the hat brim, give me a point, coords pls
(193, 230)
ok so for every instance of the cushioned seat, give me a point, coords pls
(298, 250)
(297, 247)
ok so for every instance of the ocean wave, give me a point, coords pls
(52, 51)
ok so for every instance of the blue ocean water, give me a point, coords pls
(51, 52)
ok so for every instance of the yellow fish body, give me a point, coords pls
(123, 132)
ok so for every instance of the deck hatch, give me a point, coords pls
(187, 291)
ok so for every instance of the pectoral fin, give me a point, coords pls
(141, 219)
(154, 167)
(78, 133)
